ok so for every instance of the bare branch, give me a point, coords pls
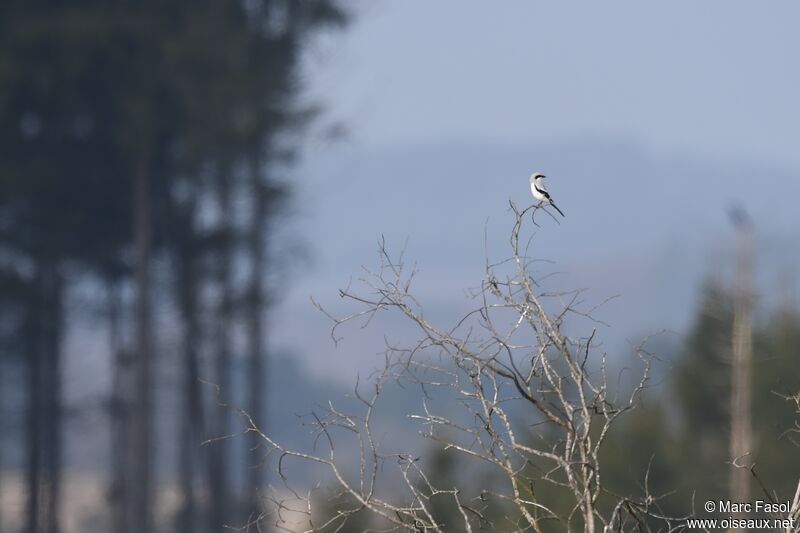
(527, 404)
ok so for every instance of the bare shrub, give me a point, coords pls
(527, 404)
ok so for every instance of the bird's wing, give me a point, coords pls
(540, 188)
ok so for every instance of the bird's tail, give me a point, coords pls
(557, 209)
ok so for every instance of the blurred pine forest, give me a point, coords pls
(143, 150)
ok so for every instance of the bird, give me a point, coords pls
(540, 191)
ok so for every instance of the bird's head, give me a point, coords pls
(536, 176)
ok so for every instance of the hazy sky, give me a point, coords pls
(704, 78)
(649, 119)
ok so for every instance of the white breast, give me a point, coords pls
(537, 194)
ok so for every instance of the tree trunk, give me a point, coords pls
(140, 463)
(53, 422)
(255, 323)
(2, 425)
(741, 444)
(119, 412)
(218, 453)
(33, 344)
(191, 418)
(43, 341)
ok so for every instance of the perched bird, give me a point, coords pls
(540, 191)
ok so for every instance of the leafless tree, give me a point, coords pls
(530, 403)
(792, 516)
(794, 505)
(794, 511)
(741, 439)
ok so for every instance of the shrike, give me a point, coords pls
(540, 191)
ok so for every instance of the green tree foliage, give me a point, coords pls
(776, 377)
(680, 435)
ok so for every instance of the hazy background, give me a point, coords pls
(650, 121)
